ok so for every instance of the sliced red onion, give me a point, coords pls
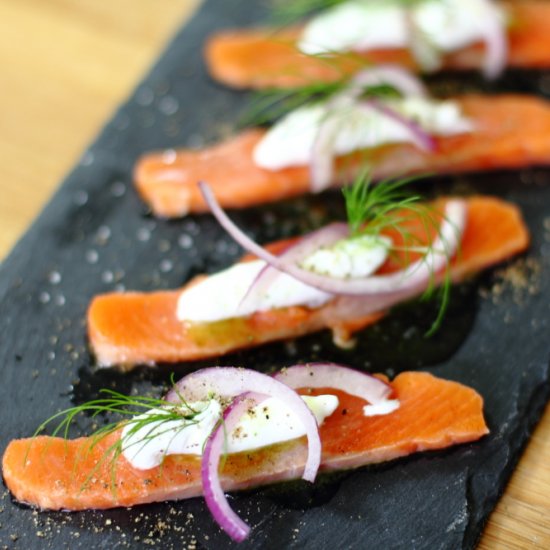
(392, 75)
(324, 237)
(323, 149)
(339, 377)
(228, 382)
(417, 273)
(422, 139)
(244, 387)
(322, 155)
(496, 42)
(214, 496)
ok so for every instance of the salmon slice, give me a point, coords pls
(263, 58)
(132, 328)
(53, 473)
(510, 132)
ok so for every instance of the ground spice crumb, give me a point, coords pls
(518, 280)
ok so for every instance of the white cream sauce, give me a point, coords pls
(290, 141)
(219, 296)
(265, 424)
(386, 407)
(268, 423)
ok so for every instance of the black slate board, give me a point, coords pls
(95, 236)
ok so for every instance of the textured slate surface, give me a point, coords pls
(96, 236)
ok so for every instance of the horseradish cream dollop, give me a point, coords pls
(290, 142)
(362, 25)
(380, 409)
(265, 424)
(220, 296)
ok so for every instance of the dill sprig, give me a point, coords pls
(120, 404)
(371, 208)
(286, 12)
(389, 206)
(150, 417)
(267, 106)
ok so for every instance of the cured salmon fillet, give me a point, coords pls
(510, 132)
(53, 473)
(263, 58)
(132, 328)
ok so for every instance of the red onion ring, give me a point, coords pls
(330, 375)
(326, 236)
(420, 272)
(421, 139)
(242, 386)
(214, 496)
(322, 152)
(392, 75)
(228, 382)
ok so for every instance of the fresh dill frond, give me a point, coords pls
(115, 403)
(388, 207)
(371, 208)
(148, 416)
(286, 12)
(267, 106)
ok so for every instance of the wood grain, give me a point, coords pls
(66, 65)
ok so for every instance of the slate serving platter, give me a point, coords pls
(96, 236)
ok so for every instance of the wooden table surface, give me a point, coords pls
(66, 65)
